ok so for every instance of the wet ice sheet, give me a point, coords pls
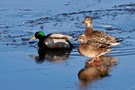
(19, 20)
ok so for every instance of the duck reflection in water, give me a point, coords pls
(92, 73)
(52, 55)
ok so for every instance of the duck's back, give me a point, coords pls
(101, 37)
(60, 36)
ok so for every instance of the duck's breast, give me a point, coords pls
(83, 50)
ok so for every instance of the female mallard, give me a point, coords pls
(52, 41)
(98, 35)
(91, 48)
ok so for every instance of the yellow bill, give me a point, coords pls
(32, 38)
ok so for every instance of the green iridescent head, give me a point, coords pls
(39, 35)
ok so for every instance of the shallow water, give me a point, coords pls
(20, 66)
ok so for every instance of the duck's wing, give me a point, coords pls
(98, 48)
(103, 37)
(57, 43)
(60, 36)
(93, 44)
(96, 45)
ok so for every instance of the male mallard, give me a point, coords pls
(91, 48)
(98, 35)
(52, 41)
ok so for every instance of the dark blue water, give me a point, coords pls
(21, 68)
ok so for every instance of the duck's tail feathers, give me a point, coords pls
(56, 35)
(117, 42)
(109, 49)
(114, 44)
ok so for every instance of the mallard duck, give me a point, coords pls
(91, 48)
(52, 41)
(98, 35)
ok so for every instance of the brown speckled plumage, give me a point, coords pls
(98, 35)
(91, 48)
